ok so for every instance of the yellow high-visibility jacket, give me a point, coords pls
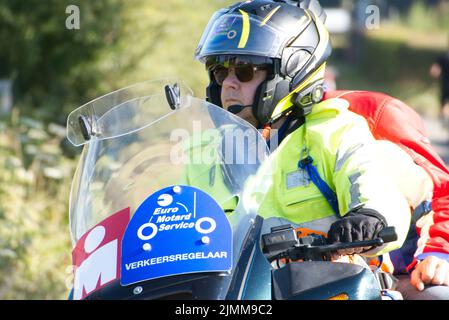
(347, 159)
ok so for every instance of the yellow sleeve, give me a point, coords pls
(359, 179)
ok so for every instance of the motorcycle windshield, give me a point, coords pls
(123, 111)
(143, 145)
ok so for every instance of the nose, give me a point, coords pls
(231, 81)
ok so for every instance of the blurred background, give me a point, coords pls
(50, 65)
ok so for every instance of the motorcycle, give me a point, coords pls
(159, 208)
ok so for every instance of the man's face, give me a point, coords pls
(235, 92)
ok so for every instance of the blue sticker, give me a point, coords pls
(177, 230)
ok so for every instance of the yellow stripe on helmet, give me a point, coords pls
(286, 103)
(269, 15)
(245, 30)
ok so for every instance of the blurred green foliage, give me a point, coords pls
(50, 65)
(396, 57)
(422, 17)
(34, 186)
(55, 69)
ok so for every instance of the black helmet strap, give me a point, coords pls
(213, 93)
(268, 95)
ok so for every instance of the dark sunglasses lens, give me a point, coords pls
(244, 72)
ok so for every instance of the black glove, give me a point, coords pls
(357, 225)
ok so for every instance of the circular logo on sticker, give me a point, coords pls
(232, 34)
(145, 226)
(164, 200)
(209, 220)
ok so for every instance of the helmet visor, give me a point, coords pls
(240, 34)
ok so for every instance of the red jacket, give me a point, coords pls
(391, 119)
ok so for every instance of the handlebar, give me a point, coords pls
(282, 242)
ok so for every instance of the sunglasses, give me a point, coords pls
(244, 72)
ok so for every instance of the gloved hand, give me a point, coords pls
(357, 225)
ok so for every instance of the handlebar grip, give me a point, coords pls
(350, 245)
(309, 251)
(388, 234)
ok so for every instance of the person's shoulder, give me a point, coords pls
(333, 118)
(328, 109)
(339, 111)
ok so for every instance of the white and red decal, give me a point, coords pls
(96, 256)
